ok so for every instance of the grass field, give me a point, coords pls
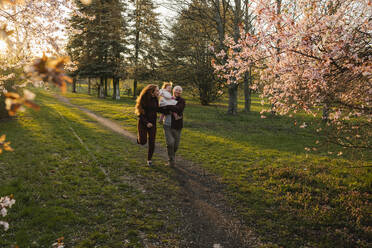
(290, 197)
(61, 189)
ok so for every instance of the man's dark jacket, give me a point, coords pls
(178, 108)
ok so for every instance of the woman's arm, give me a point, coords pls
(143, 119)
(179, 107)
(164, 110)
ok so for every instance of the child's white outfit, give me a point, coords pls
(166, 98)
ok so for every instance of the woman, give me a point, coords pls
(147, 106)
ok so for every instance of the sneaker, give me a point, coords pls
(149, 163)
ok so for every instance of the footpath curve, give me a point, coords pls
(209, 220)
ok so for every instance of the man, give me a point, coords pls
(173, 124)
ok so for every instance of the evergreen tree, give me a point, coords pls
(145, 37)
(97, 42)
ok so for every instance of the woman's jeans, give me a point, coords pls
(145, 134)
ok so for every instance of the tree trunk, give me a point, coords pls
(248, 80)
(136, 51)
(3, 112)
(220, 24)
(105, 92)
(89, 83)
(113, 89)
(136, 65)
(247, 90)
(74, 84)
(278, 26)
(135, 88)
(233, 99)
(203, 97)
(237, 19)
(116, 90)
(325, 114)
(233, 87)
(101, 93)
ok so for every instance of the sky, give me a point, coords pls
(166, 14)
(164, 9)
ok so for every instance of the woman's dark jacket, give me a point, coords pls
(151, 107)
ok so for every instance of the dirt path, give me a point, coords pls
(209, 220)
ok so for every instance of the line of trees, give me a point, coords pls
(304, 55)
(96, 43)
(113, 39)
(313, 56)
(144, 51)
(200, 25)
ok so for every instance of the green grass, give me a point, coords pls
(60, 189)
(290, 197)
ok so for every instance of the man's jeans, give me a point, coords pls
(172, 138)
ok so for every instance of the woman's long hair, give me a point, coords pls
(144, 98)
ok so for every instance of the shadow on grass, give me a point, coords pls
(280, 133)
(291, 199)
(61, 191)
(40, 214)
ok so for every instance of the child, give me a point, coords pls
(166, 98)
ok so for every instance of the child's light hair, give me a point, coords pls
(166, 84)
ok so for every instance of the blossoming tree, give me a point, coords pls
(314, 55)
(26, 24)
